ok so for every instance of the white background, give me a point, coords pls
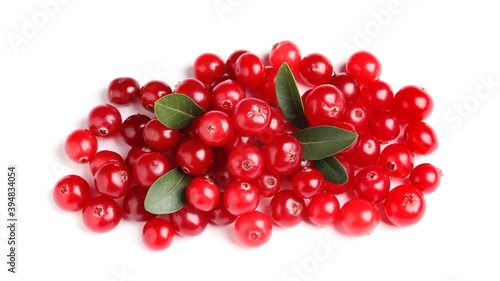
(57, 59)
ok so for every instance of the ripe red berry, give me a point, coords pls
(251, 116)
(196, 90)
(308, 182)
(412, 104)
(324, 105)
(276, 126)
(364, 66)
(103, 157)
(287, 209)
(226, 95)
(101, 214)
(384, 125)
(80, 145)
(104, 120)
(396, 160)
(426, 177)
(266, 90)
(341, 188)
(358, 217)
(157, 234)
(231, 60)
(357, 115)
(315, 69)
(202, 194)
(240, 197)
(376, 95)
(372, 184)
(207, 67)
(249, 70)
(285, 51)
(253, 229)
(133, 204)
(123, 90)
(215, 128)
(420, 138)
(132, 127)
(194, 157)
(245, 162)
(151, 92)
(220, 215)
(349, 150)
(268, 183)
(367, 152)
(188, 221)
(323, 209)
(347, 84)
(134, 153)
(71, 192)
(404, 205)
(149, 167)
(159, 137)
(283, 154)
(113, 180)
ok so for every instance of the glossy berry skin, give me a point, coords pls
(426, 177)
(196, 90)
(194, 157)
(71, 192)
(207, 67)
(104, 120)
(324, 105)
(133, 204)
(202, 194)
(384, 125)
(268, 183)
(412, 104)
(238, 139)
(342, 188)
(315, 69)
(323, 209)
(287, 209)
(367, 152)
(134, 153)
(396, 160)
(113, 180)
(149, 167)
(245, 162)
(251, 116)
(231, 60)
(151, 92)
(249, 70)
(283, 154)
(240, 197)
(420, 138)
(80, 145)
(358, 217)
(357, 115)
(276, 126)
(188, 221)
(103, 157)
(215, 128)
(220, 215)
(253, 229)
(376, 95)
(123, 90)
(101, 214)
(349, 150)
(226, 95)
(364, 66)
(308, 182)
(405, 205)
(347, 84)
(132, 127)
(159, 137)
(266, 90)
(285, 51)
(157, 234)
(372, 184)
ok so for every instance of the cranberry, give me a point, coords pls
(220, 215)
(101, 214)
(325, 105)
(71, 193)
(157, 234)
(245, 162)
(238, 139)
(396, 160)
(104, 120)
(285, 51)
(349, 150)
(240, 197)
(113, 180)
(287, 209)
(308, 182)
(251, 116)
(188, 221)
(283, 154)
(384, 125)
(226, 95)
(276, 126)
(358, 217)
(364, 66)
(253, 229)
(268, 183)
(372, 184)
(215, 128)
(376, 95)
(202, 194)
(194, 157)
(315, 69)
(231, 60)
(132, 127)
(133, 204)
(412, 104)
(347, 84)
(207, 67)
(404, 205)
(420, 138)
(151, 92)
(196, 90)
(357, 115)
(249, 70)
(158, 136)
(367, 151)
(323, 209)
(80, 145)
(149, 167)
(266, 90)
(103, 157)
(134, 153)
(426, 177)
(123, 90)
(341, 188)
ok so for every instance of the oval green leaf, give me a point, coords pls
(323, 141)
(288, 96)
(176, 111)
(168, 193)
(332, 169)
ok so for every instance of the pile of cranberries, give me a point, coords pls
(242, 149)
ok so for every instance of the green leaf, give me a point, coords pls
(288, 96)
(323, 141)
(168, 193)
(176, 111)
(332, 169)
